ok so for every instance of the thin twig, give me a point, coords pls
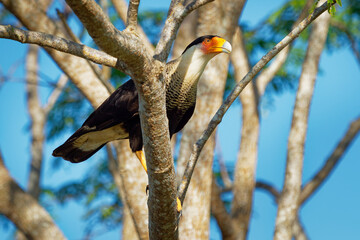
(94, 67)
(55, 93)
(331, 162)
(234, 94)
(269, 73)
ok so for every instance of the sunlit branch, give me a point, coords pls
(132, 14)
(235, 93)
(60, 44)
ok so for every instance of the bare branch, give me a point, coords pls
(37, 118)
(235, 93)
(176, 15)
(132, 14)
(67, 27)
(24, 211)
(331, 162)
(245, 168)
(288, 203)
(60, 44)
(125, 46)
(78, 70)
(121, 9)
(55, 93)
(269, 188)
(220, 213)
(269, 73)
(298, 231)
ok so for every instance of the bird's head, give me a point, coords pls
(210, 45)
(198, 53)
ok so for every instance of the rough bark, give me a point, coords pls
(223, 17)
(24, 211)
(126, 171)
(288, 203)
(244, 179)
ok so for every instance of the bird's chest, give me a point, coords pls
(180, 95)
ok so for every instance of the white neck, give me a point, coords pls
(192, 64)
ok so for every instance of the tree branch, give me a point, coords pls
(77, 69)
(220, 213)
(235, 93)
(125, 46)
(60, 44)
(176, 15)
(269, 73)
(121, 9)
(132, 14)
(331, 162)
(55, 93)
(288, 202)
(298, 231)
(24, 211)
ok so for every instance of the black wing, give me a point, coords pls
(110, 118)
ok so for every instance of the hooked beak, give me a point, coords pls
(220, 45)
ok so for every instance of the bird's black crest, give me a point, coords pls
(199, 40)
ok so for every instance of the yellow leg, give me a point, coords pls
(140, 155)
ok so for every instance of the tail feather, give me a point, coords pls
(74, 154)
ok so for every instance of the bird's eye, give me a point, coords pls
(207, 40)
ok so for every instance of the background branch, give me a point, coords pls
(331, 162)
(176, 15)
(24, 211)
(235, 93)
(60, 44)
(288, 202)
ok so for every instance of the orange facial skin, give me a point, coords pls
(213, 45)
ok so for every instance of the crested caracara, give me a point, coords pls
(118, 116)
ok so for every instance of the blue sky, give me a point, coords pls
(332, 213)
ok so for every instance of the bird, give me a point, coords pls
(118, 116)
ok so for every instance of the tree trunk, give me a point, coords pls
(289, 200)
(215, 18)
